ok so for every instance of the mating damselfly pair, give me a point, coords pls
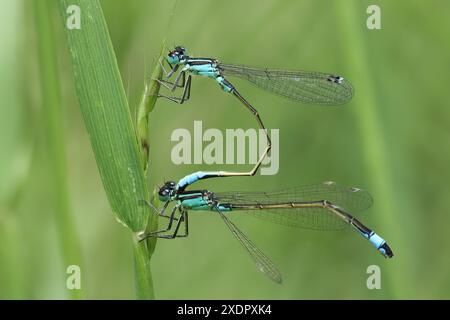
(325, 206)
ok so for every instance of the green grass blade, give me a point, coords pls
(108, 121)
(53, 122)
(106, 114)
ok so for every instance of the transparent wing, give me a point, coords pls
(308, 87)
(263, 263)
(352, 200)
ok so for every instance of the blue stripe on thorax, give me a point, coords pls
(207, 68)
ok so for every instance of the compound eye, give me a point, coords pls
(164, 195)
(171, 184)
(163, 192)
(173, 57)
(173, 53)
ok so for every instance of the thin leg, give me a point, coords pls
(186, 225)
(175, 232)
(184, 96)
(170, 73)
(160, 213)
(157, 232)
(144, 202)
(173, 85)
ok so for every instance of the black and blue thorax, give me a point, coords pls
(200, 200)
(208, 68)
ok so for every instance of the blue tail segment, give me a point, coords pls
(379, 243)
(194, 177)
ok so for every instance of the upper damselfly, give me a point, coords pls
(325, 206)
(307, 87)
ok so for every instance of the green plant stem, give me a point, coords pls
(149, 97)
(53, 122)
(144, 281)
(146, 105)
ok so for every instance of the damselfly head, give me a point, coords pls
(176, 55)
(180, 50)
(166, 191)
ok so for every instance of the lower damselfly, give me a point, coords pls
(324, 206)
(301, 86)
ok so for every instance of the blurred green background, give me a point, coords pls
(392, 139)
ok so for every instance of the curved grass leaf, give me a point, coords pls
(108, 121)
